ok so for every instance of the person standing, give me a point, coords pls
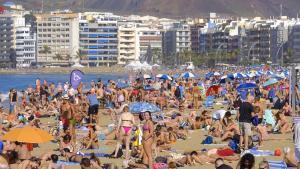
(13, 100)
(245, 114)
(297, 143)
(93, 104)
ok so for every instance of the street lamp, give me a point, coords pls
(252, 46)
(219, 47)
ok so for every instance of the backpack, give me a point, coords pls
(177, 92)
(208, 140)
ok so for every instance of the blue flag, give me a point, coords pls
(75, 78)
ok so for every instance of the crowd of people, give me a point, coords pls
(243, 119)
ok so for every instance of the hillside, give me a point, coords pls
(173, 8)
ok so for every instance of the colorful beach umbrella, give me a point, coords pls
(187, 75)
(270, 82)
(28, 135)
(138, 107)
(246, 86)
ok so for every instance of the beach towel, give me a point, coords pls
(277, 164)
(269, 118)
(260, 153)
(98, 154)
(66, 163)
(296, 120)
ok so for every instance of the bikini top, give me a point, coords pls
(146, 127)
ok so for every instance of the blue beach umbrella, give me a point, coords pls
(187, 75)
(238, 75)
(164, 76)
(270, 82)
(208, 75)
(138, 107)
(226, 78)
(246, 86)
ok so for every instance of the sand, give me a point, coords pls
(192, 143)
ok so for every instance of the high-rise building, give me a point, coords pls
(176, 40)
(9, 21)
(195, 37)
(294, 41)
(57, 38)
(128, 43)
(25, 46)
(150, 39)
(99, 39)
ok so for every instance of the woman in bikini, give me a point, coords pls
(148, 138)
(126, 122)
(71, 157)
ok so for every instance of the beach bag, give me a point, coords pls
(233, 145)
(208, 140)
(177, 92)
(255, 120)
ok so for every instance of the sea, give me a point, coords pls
(22, 81)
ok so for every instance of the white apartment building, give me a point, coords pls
(57, 38)
(25, 46)
(128, 43)
(150, 38)
(183, 38)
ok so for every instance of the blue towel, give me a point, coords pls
(67, 163)
(98, 154)
(277, 164)
(261, 152)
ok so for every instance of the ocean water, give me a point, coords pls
(22, 81)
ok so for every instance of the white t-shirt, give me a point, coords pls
(297, 136)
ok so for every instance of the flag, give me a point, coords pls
(75, 78)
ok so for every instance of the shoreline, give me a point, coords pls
(67, 70)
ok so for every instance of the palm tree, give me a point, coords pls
(80, 56)
(58, 57)
(46, 50)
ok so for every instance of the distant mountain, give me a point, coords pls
(173, 8)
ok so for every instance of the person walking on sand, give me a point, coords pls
(93, 104)
(244, 116)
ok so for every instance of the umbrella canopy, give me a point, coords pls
(270, 82)
(239, 75)
(212, 90)
(208, 75)
(28, 135)
(138, 107)
(164, 76)
(217, 74)
(146, 76)
(225, 79)
(187, 75)
(247, 86)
